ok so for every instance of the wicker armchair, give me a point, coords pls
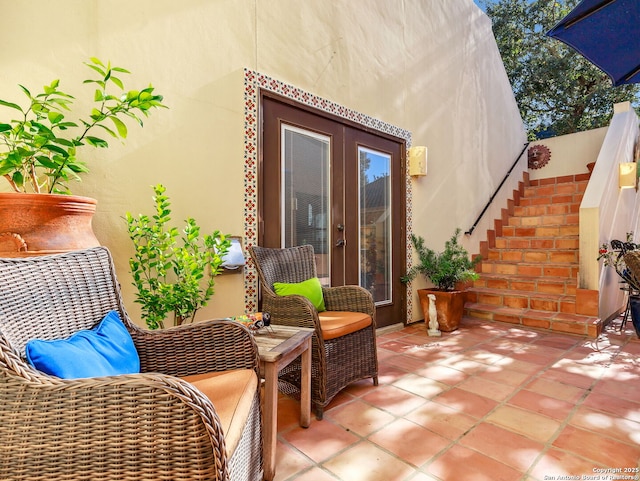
(336, 362)
(147, 426)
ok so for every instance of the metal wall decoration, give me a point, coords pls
(539, 156)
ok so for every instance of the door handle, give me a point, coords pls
(340, 243)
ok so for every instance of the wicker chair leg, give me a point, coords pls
(375, 380)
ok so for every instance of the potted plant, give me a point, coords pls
(445, 270)
(40, 154)
(172, 273)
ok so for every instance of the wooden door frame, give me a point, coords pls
(255, 86)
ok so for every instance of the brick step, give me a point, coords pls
(541, 231)
(559, 256)
(549, 209)
(544, 220)
(548, 285)
(551, 199)
(562, 188)
(539, 301)
(567, 242)
(556, 321)
(529, 269)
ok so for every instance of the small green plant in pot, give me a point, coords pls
(42, 145)
(173, 271)
(443, 269)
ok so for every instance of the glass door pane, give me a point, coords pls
(306, 194)
(375, 223)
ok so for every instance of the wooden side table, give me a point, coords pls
(278, 346)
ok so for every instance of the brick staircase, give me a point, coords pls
(529, 271)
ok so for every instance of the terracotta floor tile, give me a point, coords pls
(360, 417)
(482, 356)
(583, 379)
(289, 462)
(614, 405)
(607, 424)
(423, 477)
(407, 363)
(556, 463)
(393, 400)
(367, 462)
(504, 375)
(421, 386)
(399, 346)
(597, 448)
(624, 390)
(410, 442)
(444, 374)
(389, 374)
(557, 341)
(541, 404)
(556, 390)
(460, 463)
(321, 440)
(443, 420)
(467, 402)
(534, 426)
(288, 412)
(491, 440)
(518, 365)
(460, 363)
(484, 387)
(314, 474)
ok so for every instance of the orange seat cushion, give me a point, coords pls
(339, 323)
(231, 393)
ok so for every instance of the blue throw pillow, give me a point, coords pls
(106, 350)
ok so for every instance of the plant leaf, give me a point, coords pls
(11, 105)
(120, 125)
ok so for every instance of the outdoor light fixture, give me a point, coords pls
(627, 175)
(417, 161)
(234, 258)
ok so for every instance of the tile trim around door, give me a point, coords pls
(253, 83)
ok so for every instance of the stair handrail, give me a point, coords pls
(486, 207)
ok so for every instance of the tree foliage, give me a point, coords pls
(557, 90)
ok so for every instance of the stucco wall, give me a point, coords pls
(431, 68)
(570, 153)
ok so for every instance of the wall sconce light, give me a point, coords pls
(417, 161)
(234, 258)
(628, 175)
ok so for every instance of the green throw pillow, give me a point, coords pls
(311, 289)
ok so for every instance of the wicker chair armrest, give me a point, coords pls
(123, 414)
(207, 346)
(292, 310)
(348, 298)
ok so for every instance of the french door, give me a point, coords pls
(326, 182)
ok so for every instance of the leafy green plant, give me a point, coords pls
(173, 271)
(443, 269)
(39, 150)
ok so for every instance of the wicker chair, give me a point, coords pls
(336, 362)
(147, 426)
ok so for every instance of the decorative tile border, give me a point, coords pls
(253, 83)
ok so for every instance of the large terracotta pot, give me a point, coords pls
(39, 224)
(449, 306)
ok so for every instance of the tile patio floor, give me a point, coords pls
(488, 402)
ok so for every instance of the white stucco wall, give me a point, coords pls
(570, 153)
(431, 68)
